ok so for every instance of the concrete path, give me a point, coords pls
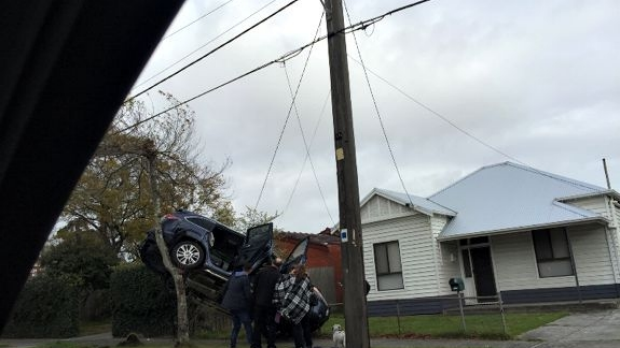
(580, 329)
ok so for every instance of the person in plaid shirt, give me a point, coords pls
(292, 298)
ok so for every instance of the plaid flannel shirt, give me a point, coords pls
(291, 298)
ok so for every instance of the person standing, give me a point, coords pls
(292, 299)
(264, 309)
(238, 300)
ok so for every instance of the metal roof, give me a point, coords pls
(420, 204)
(508, 197)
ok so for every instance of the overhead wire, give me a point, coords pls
(316, 127)
(291, 54)
(220, 6)
(442, 117)
(203, 45)
(307, 147)
(290, 109)
(378, 113)
(226, 43)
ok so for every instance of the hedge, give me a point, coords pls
(140, 303)
(47, 308)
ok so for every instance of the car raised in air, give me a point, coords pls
(207, 252)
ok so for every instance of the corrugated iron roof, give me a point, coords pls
(508, 196)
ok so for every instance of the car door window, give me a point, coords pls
(258, 243)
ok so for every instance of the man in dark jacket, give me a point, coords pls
(264, 309)
(238, 300)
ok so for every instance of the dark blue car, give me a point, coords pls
(207, 251)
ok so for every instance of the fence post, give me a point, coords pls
(462, 312)
(501, 310)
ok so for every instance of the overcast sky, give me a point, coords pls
(537, 81)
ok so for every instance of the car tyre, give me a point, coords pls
(188, 254)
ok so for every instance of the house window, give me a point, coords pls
(552, 253)
(388, 267)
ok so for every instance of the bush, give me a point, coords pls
(96, 306)
(47, 308)
(140, 303)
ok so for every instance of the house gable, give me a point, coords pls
(380, 208)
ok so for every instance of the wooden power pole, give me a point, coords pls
(356, 318)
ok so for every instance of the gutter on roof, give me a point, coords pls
(598, 219)
(611, 192)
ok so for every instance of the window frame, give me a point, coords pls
(378, 274)
(541, 261)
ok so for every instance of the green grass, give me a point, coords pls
(82, 345)
(210, 345)
(484, 326)
(60, 344)
(95, 327)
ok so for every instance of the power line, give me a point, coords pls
(308, 157)
(196, 20)
(294, 97)
(316, 127)
(198, 96)
(442, 117)
(376, 106)
(358, 26)
(213, 50)
(203, 45)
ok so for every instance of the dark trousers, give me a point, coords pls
(264, 324)
(238, 318)
(302, 334)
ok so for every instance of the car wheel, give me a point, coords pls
(188, 254)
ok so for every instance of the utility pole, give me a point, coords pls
(355, 311)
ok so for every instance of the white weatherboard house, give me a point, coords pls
(529, 235)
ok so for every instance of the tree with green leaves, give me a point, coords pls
(113, 199)
(252, 217)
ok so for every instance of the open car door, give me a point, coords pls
(258, 245)
(297, 255)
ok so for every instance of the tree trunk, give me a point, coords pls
(179, 283)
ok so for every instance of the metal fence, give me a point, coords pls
(483, 304)
(477, 314)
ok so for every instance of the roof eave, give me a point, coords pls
(598, 219)
(611, 192)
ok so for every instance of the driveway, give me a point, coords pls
(592, 330)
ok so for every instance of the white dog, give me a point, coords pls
(338, 336)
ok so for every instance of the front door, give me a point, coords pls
(484, 277)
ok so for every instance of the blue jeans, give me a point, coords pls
(238, 318)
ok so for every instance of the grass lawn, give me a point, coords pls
(211, 345)
(95, 327)
(485, 326)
